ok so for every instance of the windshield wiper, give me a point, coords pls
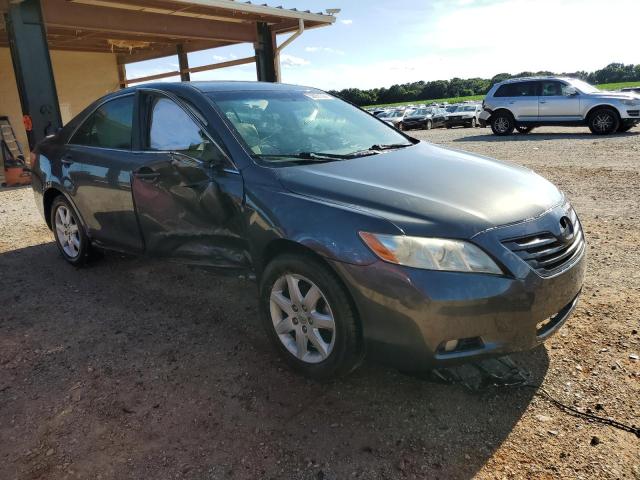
(390, 146)
(319, 156)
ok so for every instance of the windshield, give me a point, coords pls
(467, 108)
(584, 87)
(420, 112)
(289, 123)
(451, 108)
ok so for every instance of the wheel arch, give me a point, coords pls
(49, 195)
(607, 106)
(501, 110)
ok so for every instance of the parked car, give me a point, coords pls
(425, 118)
(525, 103)
(464, 115)
(363, 240)
(631, 89)
(395, 117)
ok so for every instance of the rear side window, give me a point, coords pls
(110, 126)
(521, 89)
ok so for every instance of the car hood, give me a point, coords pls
(428, 190)
(616, 95)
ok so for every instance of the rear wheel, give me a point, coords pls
(474, 122)
(523, 129)
(428, 125)
(309, 317)
(603, 121)
(71, 239)
(502, 123)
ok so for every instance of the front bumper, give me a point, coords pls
(483, 118)
(458, 121)
(409, 315)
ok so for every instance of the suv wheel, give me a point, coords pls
(502, 123)
(70, 237)
(309, 317)
(603, 121)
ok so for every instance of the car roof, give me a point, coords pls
(529, 79)
(222, 86)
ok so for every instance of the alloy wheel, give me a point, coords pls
(603, 122)
(68, 234)
(302, 318)
(502, 124)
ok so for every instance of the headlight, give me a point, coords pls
(430, 253)
(631, 102)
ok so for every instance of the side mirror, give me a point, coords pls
(570, 91)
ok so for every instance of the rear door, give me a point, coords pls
(521, 98)
(187, 192)
(97, 165)
(557, 104)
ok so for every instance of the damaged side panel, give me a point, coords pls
(190, 211)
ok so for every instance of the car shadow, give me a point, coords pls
(540, 136)
(141, 368)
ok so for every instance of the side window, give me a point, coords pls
(109, 126)
(172, 129)
(520, 89)
(551, 89)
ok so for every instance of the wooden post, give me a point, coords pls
(183, 62)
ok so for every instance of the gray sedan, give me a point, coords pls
(364, 241)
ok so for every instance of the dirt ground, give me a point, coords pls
(132, 368)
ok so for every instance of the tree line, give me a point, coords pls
(459, 87)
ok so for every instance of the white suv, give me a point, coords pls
(525, 103)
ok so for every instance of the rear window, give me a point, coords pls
(521, 89)
(109, 126)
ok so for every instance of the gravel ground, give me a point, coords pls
(132, 368)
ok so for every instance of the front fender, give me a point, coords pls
(330, 230)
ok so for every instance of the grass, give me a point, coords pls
(604, 86)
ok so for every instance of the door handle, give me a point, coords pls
(543, 101)
(146, 174)
(67, 160)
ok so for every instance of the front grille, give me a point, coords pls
(546, 253)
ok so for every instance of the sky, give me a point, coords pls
(376, 43)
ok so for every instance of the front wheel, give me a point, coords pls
(70, 237)
(603, 121)
(502, 124)
(309, 317)
(428, 125)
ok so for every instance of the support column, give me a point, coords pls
(122, 75)
(32, 68)
(183, 62)
(265, 49)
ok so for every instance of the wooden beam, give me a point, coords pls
(151, 54)
(203, 68)
(183, 62)
(60, 13)
(122, 75)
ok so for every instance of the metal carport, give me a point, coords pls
(130, 31)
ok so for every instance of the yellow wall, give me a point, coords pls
(81, 78)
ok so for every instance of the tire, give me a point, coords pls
(428, 125)
(603, 121)
(474, 122)
(401, 126)
(71, 239)
(315, 352)
(523, 129)
(502, 123)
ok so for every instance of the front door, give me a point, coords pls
(97, 165)
(189, 202)
(557, 104)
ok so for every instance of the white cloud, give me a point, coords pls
(346, 21)
(334, 51)
(287, 60)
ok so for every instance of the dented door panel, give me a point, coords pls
(189, 211)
